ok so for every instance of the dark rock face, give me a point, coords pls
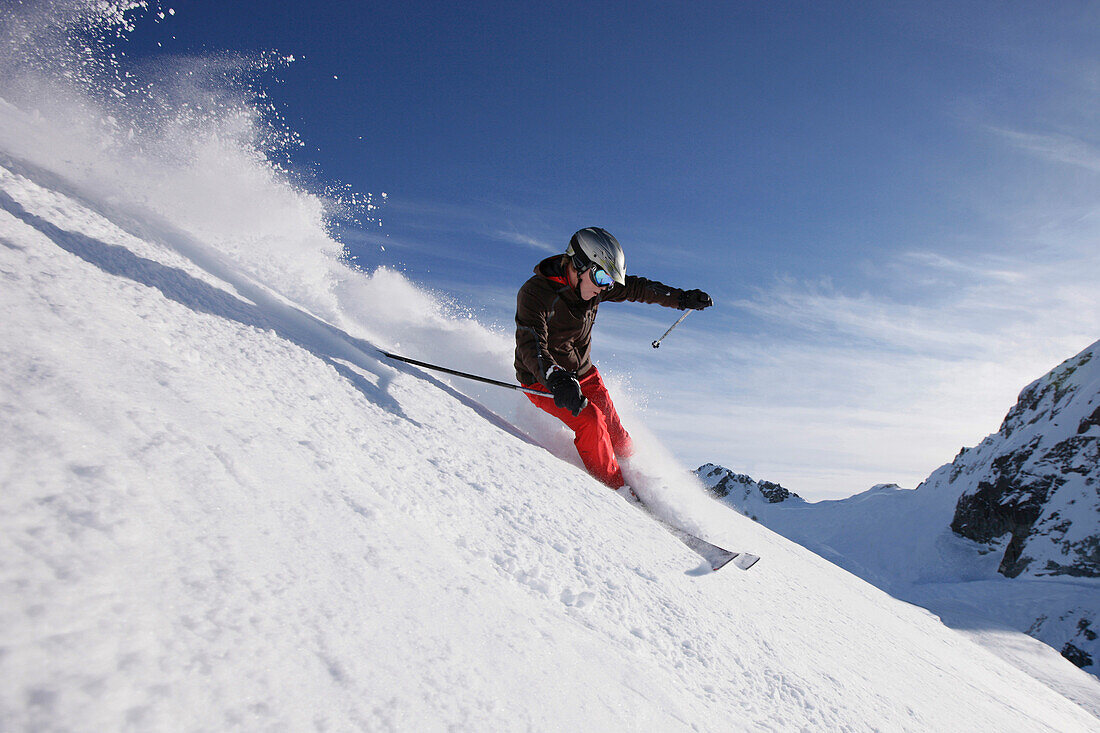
(1088, 422)
(1078, 656)
(1075, 628)
(775, 493)
(722, 481)
(1041, 484)
(1085, 635)
(1009, 501)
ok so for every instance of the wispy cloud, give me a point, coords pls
(990, 271)
(830, 391)
(1058, 148)
(527, 240)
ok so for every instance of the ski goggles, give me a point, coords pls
(600, 277)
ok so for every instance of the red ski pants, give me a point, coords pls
(599, 434)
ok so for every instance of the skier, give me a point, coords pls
(555, 311)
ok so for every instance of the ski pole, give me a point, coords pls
(475, 377)
(657, 343)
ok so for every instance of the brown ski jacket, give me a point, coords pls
(554, 326)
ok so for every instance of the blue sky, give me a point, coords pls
(894, 205)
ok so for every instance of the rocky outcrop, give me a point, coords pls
(1032, 492)
(1038, 483)
(724, 483)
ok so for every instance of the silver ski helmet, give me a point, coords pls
(596, 246)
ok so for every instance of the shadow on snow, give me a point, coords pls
(330, 344)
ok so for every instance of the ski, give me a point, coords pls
(717, 557)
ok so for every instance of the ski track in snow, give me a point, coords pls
(220, 511)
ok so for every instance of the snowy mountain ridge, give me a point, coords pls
(742, 491)
(1024, 503)
(1036, 482)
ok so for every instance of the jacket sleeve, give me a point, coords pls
(532, 332)
(641, 290)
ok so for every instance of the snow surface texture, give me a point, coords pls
(1030, 493)
(220, 510)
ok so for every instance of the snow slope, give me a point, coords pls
(220, 510)
(1027, 500)
(900, 540)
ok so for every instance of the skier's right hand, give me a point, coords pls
(566, 390)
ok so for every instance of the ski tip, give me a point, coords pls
(742, 560)
(745, 560)
(721, 561)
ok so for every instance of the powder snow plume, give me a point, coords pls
(192, 140)
(197, 144)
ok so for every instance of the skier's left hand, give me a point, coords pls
(695, 300)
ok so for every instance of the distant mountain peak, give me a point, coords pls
(1036, 481)
(724, 483)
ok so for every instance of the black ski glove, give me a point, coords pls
(566, 390)
(695, 300)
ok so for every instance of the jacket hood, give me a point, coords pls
(553, 268)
